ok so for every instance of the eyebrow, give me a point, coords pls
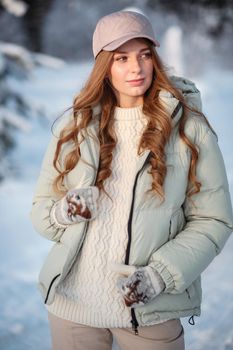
(145, 49)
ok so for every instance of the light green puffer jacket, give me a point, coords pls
(179, 238)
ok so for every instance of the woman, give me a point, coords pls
(133, 192)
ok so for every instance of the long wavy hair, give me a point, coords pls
(98, 91)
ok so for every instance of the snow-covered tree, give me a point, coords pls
(16, 111)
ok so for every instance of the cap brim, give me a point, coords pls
(117, 43)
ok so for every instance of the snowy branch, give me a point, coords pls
(17, 8)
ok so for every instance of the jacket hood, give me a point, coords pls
(189, 91)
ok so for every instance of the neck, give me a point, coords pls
(130, 102)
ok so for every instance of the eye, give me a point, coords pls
(120, 58)
(146, 55)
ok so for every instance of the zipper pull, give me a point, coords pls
(191, 320)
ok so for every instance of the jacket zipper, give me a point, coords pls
(176, 110)
(134, 322)
(134, 319)
(50, 286)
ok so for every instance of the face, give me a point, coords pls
(131, 72)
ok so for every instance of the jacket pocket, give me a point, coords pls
(177, 223)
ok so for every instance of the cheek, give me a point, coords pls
(117, 75)
(150, 70)
(118, 71)
(149, 74)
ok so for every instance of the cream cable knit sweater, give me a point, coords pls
(89, 294)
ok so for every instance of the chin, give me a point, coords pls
(138, 93)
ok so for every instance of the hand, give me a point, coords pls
(78, 205)
(140, 287)
(81, 202)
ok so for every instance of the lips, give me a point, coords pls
(136, 82)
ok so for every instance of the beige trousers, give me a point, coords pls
(67, 335)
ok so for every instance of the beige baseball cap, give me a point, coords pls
(117, 28)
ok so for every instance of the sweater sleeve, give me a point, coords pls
(209, 223)
(45, 197)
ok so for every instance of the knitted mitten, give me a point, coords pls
(79, 204)
(141, 286)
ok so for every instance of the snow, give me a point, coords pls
(28, 59)
(19, 53)
(23, 318)
(17, 109)
(48, 61)
(13, 119)
(17, 8)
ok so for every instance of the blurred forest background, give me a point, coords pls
(45, 57)
(64, 28)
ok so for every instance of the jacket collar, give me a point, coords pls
(190, 93)
(169, 101)
(187, 88)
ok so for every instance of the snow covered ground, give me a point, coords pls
(23, 319)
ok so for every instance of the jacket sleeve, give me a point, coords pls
(45, 197)
(208, 225)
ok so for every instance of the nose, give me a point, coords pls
(135, 65)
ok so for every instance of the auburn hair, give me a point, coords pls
(98, 91)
